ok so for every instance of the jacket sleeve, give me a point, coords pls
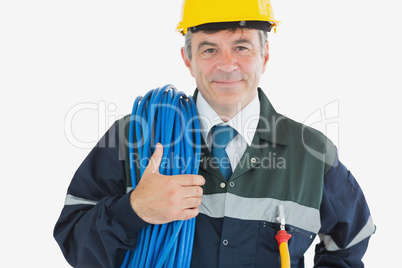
(346, 224)
(97, 224)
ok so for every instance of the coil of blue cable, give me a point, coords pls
(169, 117)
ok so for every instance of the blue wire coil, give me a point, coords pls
(169, 117)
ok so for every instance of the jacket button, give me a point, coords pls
(222, 185)
(232, 184)
(253, 160)
(225, 242)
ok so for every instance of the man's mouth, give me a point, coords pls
(228, 83)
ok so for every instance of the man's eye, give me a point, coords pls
(210, 50)
(241, 48)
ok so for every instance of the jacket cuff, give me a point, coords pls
(124, 214)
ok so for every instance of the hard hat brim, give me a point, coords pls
(259, 25)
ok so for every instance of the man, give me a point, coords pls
(274, 162)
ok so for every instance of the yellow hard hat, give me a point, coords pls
(245, 13)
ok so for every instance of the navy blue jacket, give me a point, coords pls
(237, 223)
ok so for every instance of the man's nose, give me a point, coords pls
(227, 62)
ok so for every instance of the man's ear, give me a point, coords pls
(266, 56)
(187, 61)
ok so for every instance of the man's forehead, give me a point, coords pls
(230, 35)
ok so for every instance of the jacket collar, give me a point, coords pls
(272, 125)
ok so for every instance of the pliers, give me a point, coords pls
(282, 237)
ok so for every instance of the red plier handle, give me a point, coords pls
(282, 237)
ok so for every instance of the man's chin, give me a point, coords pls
(230, 102)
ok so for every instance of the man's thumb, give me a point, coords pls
(156, 159)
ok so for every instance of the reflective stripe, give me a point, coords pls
(367, 231)
(73, 200)
(213, 205)
(262, 209)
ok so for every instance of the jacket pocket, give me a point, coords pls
(267, 246)
(299, 243)
(268, 249)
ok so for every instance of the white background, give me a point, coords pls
(55, 55)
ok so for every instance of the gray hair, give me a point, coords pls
(263, 36)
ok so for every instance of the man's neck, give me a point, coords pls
(226, 113)
(245, 122)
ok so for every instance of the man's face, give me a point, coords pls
(227, 67)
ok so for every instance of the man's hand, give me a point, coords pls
(160, 199)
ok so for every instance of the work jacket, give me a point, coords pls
(288, 164)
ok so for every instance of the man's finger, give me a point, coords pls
(190, 180)
(192, 191)
(156, 158)
(189, 213)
